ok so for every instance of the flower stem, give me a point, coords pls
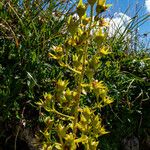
(79, 90)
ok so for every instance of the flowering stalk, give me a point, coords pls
(72, 122)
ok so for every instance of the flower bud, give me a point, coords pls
(93, 145)
(62, 84)
(83, 119)
(91, 2)
(81, 9)
(99, 37)
(107, 100)
(101, 6)
(47, 96)
(72, 25)
(68, 94)
(48, 121)
(85, 20)
(83, 38)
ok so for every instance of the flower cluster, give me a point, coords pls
(71, 123)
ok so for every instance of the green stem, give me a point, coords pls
(61, 141)
(79, 90)
(59, 113)
(91, 15)
(63, 115)
(66, 57)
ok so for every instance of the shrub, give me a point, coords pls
(27, 31)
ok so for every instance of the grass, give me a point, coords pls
(28, 30)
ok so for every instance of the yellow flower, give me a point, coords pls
(83, 139)
(47, 96)
(101, 6)
(58, 146)
(92, 144)
(98, 85)
(72, 42)
(62, 84)
(107, 100)
(99, 88)
(104, 50)
(57, 48)
(69, 137)
(103, 131)
(101, 2)
(87, 111)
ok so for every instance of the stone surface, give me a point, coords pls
(130, 143)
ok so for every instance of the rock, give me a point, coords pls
(130, 143)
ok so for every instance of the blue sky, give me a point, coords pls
(122, 5)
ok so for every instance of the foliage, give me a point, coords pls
(68, 63)
(127, 77)
(27, 31)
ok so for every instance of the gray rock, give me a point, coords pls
(130, 143)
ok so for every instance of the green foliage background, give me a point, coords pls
(27, 31)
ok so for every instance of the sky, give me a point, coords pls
(129, 7)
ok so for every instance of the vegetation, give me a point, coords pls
(66, 81)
